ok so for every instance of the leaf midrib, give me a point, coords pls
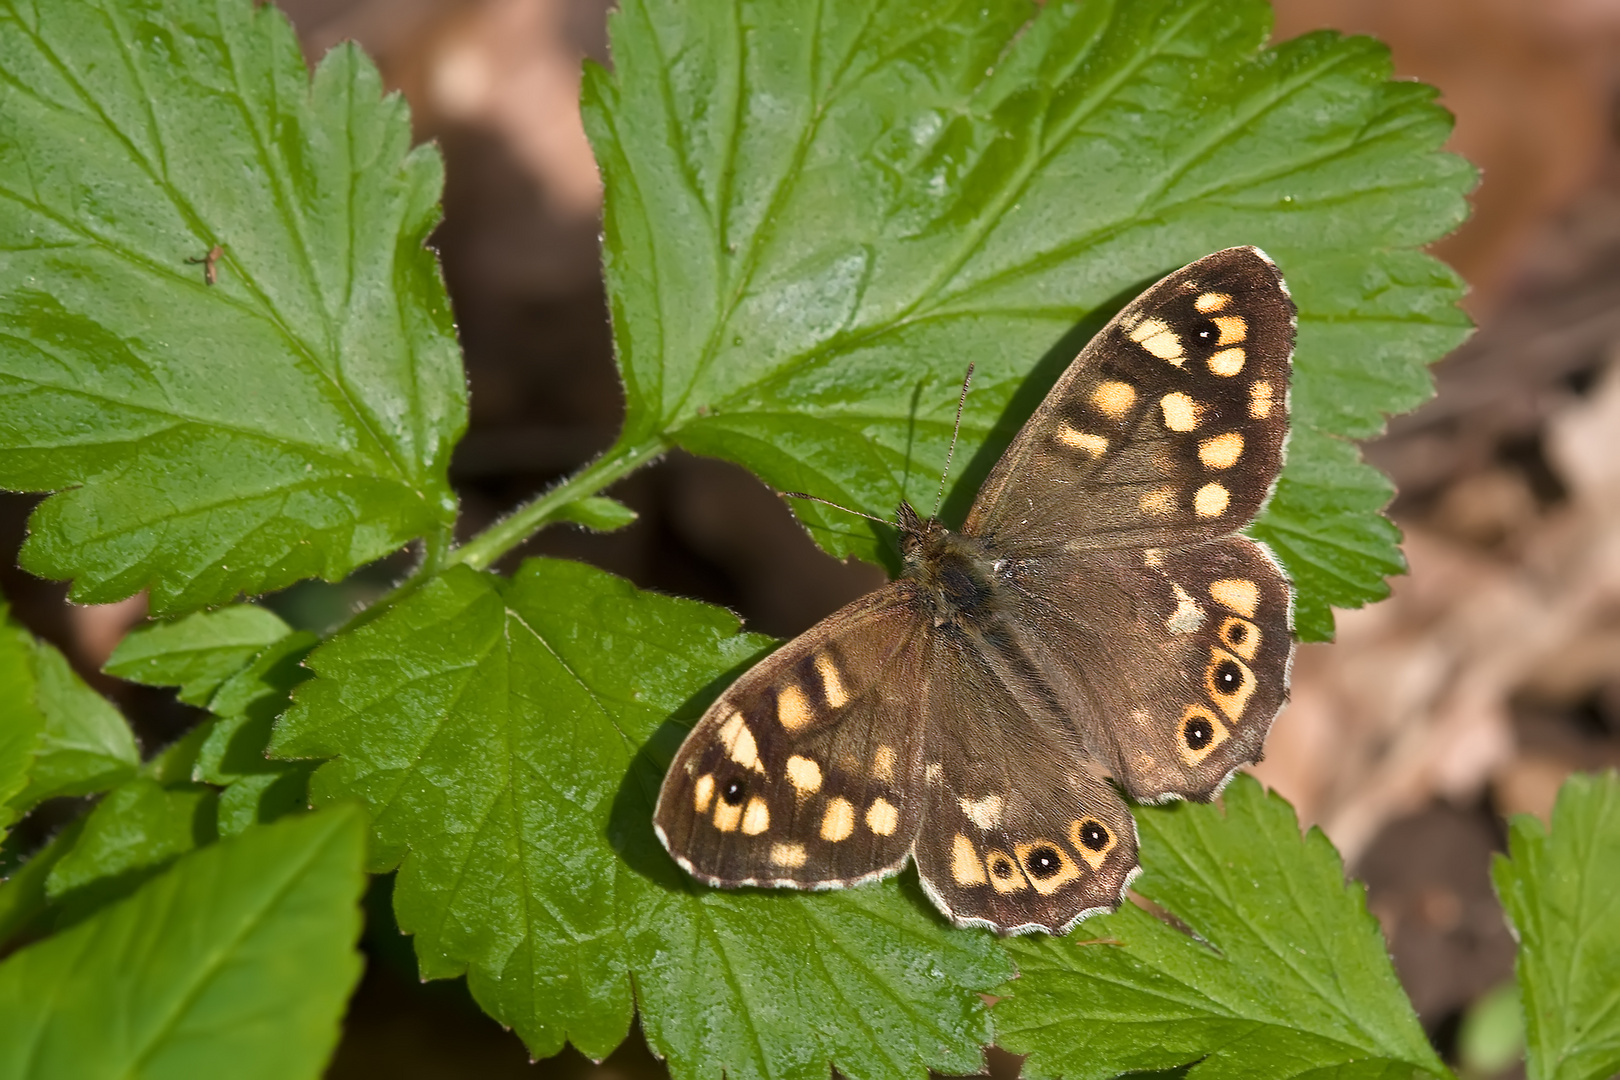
(221, 954)
(1280, 951)
(933, 302)
(785, 184)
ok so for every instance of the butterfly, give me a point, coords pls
(1096, 626)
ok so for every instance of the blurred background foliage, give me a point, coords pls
(1490, 675)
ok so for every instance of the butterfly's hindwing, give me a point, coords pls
(1169, 426)
(806, 772)
(1176, 660)
(1021, 832)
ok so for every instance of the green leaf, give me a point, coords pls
(1325, 526)
(257, 789)
(22, 895)
(198, 652)
(598, 514)
(236, 962)
(85, 746)
(813, 224)
(1559, 893)
(1267, 964)
(293, 419)
(1491, 1036)
(177, 762)
(509, 738)
(136, 830)
(24, 724)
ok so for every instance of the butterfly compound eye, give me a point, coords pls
(734, 792)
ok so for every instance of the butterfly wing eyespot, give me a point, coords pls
(1201, 732)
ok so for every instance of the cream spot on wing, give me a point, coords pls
(985, 812)
(726, 816)
(1085, 441)
(702, 793)
(1156, 337)
(832, 686)
(792, 710)
(1211, 500)
(1227, 362)
(1187, 617)
(1212, 301)
(966, 866)
(1114, 399)
(1181, 413)
(839, 820)
(1233, 329)
(881, 817)
(1260, 399)
(756, 816)
(1160, 502)
(789, 855)
(1152, 557)
(805, 774)
(1222, 451)
(883, 764)
(1239, 594)
(739, 742)
(935, 772)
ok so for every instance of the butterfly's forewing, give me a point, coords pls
(1174, 661)
(1021, 832)
(1166, 430)
(807, 771)
(1167, 638)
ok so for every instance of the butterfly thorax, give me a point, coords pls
(955, 574)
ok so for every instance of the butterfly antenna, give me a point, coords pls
(955, 431)
(835, 506)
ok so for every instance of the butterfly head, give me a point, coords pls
(915, 532)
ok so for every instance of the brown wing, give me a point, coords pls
(1172, 663)
(1022, 832)
(1167, 429)
(807, 772)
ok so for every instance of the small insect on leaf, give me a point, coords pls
(210, 263)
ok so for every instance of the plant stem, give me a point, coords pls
(488, 546)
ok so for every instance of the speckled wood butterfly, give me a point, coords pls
(1096, 619)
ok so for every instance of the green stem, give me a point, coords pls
(484, 549)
